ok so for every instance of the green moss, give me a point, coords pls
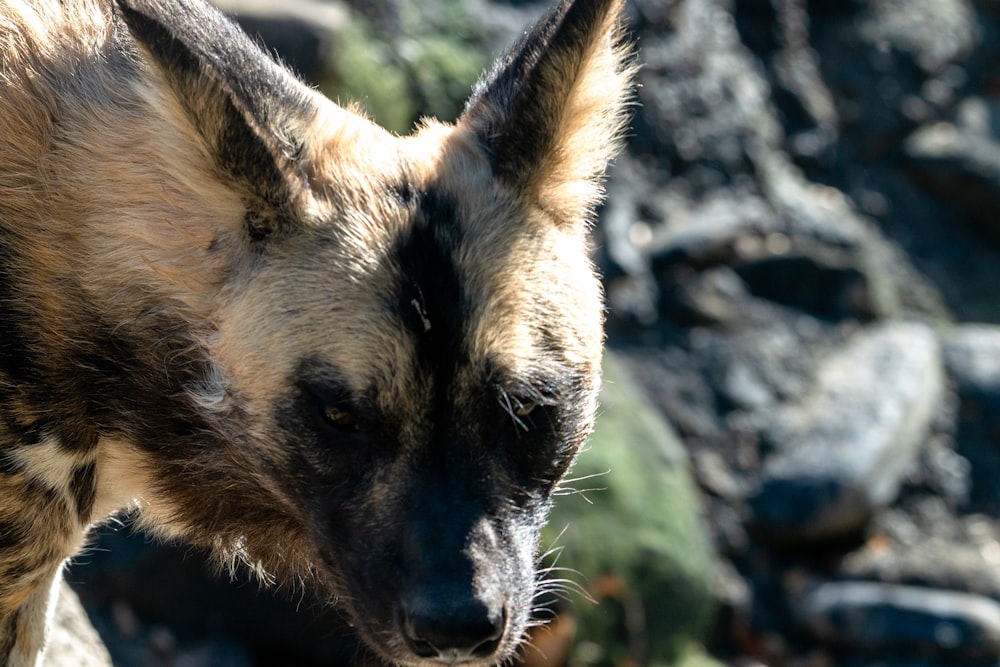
(364, 69)
(640, 541)
(444, 69)
(426, 69)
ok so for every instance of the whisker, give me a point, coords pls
(508, 407)
(556, 548)
(574, 480)
(581, 492)
(527, 643)
(559, 568)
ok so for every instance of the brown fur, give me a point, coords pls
(194, 272)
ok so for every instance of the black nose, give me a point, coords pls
(452, 632)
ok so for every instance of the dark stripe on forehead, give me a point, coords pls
(439, 212)
(431, 299)
(430, 291)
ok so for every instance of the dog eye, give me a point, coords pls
(341, 419)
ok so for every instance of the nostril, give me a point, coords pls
(421, 648)
(488, 646)
(452, 633)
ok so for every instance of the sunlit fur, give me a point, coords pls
(199, 255)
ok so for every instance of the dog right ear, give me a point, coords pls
(551, 112)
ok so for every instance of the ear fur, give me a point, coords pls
(244, 105)
(551, 112)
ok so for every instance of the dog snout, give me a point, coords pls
(451, 632)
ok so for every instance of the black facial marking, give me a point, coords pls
(322, 393)
(259, 225)
(405, 194)
(431, 300)
(84, 490)
(330, 453)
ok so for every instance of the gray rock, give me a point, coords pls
(704, 97)
(972, 360)
(936, 551)
(794, 243)
(714, 296)
(827, 282)
(971, 356)
(933, 32)
(875, 618)
(890, 65)
(710, 229)
(73, 642)
(846, 448)
(960, 159)
(778, 32)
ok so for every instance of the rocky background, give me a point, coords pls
(798, 461)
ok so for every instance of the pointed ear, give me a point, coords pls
(248, 110)
(551, 112)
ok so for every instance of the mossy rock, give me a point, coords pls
(639, 542)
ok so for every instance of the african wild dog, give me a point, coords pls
(272, 329)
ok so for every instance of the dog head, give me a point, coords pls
(406, 332)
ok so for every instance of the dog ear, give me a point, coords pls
(551, 112)
(250, 112)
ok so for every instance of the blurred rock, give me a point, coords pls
(961, 160)
(971, 354)
(827, 282)
(876, 618)
(972, 359)
(778, 34)
(888, 66)
(711, 230)
(73, 642)
(932, 32)
(713, 296)
(704, 97)
(846, 448)
(958, 555)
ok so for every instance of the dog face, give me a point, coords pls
(405, 346)
(422, 434)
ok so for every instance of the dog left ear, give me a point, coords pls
(250, 112)
(551, 112)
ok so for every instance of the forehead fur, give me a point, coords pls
(427, 245)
